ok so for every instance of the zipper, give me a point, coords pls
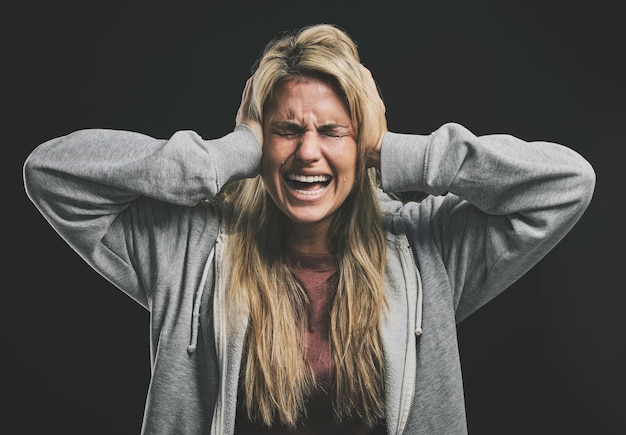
(229, 337)
(219, 326)
(419, 311)
(413, 278)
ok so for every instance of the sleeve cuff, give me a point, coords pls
(403, 162)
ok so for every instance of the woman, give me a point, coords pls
(289, 294)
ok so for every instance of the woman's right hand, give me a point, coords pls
(244, 115)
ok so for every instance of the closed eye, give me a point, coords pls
(287, 130)
(291, 130)
(333, 130)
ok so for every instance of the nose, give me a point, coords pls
(308, 150)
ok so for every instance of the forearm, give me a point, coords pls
(182, 170)
(499, 174)
(82, 181)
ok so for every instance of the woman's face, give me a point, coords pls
(309, 150)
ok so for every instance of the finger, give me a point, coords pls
(372, 87)
(245, 101)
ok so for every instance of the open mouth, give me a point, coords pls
(307, 184)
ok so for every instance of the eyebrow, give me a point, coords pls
(296, 126)
(286, 125)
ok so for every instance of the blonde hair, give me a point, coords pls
(275, 376)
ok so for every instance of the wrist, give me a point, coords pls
(256, 129)
(373, 154)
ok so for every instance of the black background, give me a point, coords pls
(546, 357)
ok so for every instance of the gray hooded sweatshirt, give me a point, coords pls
(135, 208)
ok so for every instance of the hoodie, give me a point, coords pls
(136, 209)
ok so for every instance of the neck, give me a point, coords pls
(310, 239)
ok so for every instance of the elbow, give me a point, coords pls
(587, 184)
(575, 196)
(31, 177)
(37, 176)
(565, 205)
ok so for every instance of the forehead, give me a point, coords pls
(305, 93)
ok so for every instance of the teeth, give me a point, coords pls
(308, 178)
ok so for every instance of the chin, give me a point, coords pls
(305, 218)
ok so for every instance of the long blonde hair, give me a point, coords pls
(275, 376)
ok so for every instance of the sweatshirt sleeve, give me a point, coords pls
(107, 191)
(497, 206)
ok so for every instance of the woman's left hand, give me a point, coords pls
(373, 154)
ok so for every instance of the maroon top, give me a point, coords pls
(318, 276)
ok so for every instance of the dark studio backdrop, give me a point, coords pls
(546, 357)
